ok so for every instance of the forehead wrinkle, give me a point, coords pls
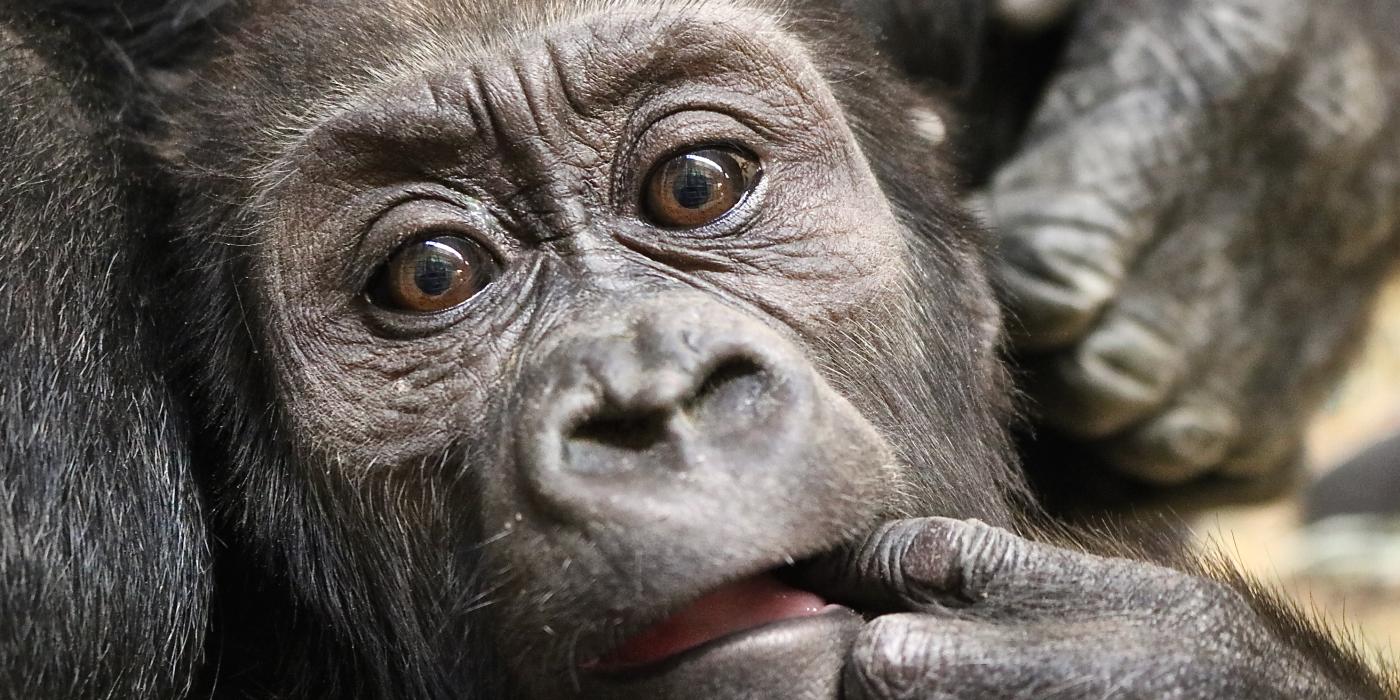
(446, 39)
(435, 34)
(376, 42)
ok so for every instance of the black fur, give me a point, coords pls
(102, 552)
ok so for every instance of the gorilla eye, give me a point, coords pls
(432, 275)
(698, 187)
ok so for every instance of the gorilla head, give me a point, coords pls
(541, 338)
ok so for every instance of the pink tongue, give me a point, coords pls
(734, 608)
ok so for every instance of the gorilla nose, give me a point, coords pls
(664, 402)
(652, 417)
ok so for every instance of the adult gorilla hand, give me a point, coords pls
(997, 616)
(1194, 228)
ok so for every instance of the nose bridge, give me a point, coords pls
(635, 377)
(658, 358)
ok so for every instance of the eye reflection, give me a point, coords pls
(432, 275)
(698, 187)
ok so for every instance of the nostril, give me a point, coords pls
(619, 442)
(624, 432)
(734, 390)
(670, 426)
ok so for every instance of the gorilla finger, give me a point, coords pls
(917, 656)
(920, 656)
(1119, 375)
(1058, 279)
(871, 575)
(934, 565)
(1178, 446)
(1074, 212)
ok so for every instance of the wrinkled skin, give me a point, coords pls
(484, 500)
(1194, 223)
(997, 616)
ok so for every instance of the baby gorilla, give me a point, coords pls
(578, 348)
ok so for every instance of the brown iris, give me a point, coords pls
(698, 187)
(432, 275)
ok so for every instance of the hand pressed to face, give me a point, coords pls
(978, 612)
(1201, 211)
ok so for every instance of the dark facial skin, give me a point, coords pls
(639, 406)
(700, 306)
(487, 400)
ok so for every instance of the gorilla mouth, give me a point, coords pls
(726, 611)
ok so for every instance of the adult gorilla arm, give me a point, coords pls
(1193, 227)
(102, 555)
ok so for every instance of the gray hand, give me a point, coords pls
(1194, 229)
(993, 615)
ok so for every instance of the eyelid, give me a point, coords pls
(425, 218)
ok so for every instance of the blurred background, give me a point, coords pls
(1346, 576)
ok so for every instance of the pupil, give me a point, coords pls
(695, 186)
(435, 273)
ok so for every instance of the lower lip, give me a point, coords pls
(728, 610)
(831, 625)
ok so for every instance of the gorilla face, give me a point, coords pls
(548, 338)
